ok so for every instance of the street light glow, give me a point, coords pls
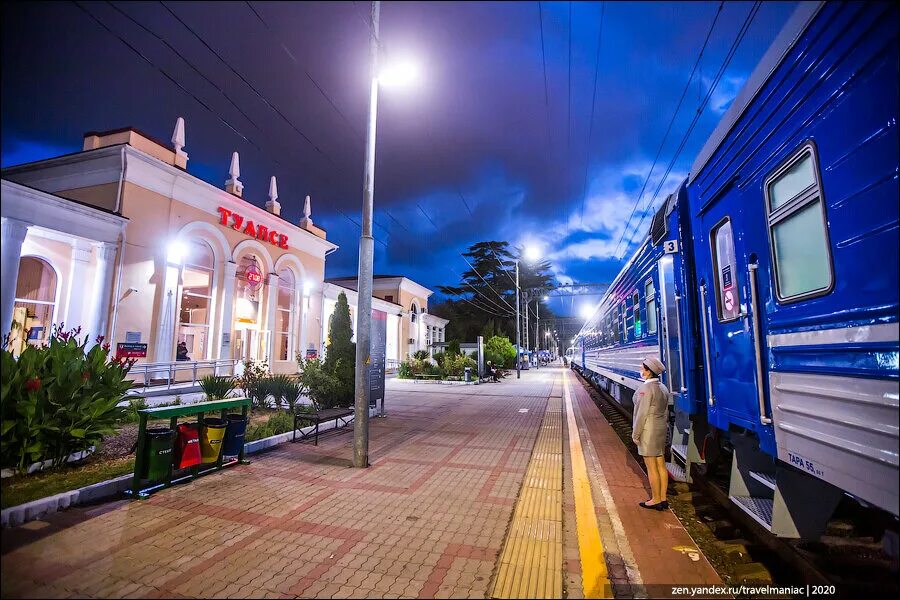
(586, 312)
(532, 253)
(176, 251)
(402, 74)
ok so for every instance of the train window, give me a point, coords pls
(636, 306)
(625, 327)
(798, 231)
(728, 299)
(650, 294)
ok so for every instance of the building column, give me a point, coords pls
(98, 320)
(12, 235)
(305, 304)
(226, 315)
(272, 281)
(165, 336)
(76, 315)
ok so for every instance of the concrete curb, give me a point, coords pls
(439, 382)
(31, 511)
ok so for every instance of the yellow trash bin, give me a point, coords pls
(211, 434)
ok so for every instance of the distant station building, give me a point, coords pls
(120, 239)
(410, 327)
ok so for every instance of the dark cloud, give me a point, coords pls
(478, 128)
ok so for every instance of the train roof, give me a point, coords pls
(783, 43)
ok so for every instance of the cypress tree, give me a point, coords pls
(340, 352)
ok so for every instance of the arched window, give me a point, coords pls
(196, 302)
(413, 313)
(35, 300)
(284, 318)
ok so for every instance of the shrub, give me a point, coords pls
(131, 411)
(453, 348)
(59, 399)
(217, 387)
(474, 355)
(252, 382)
(439, 358)
(500, 351)
(286, 390)
(455, 366)
(280, 422)
(340, 353)
(421, 355)
(404, 371)
(321, 386)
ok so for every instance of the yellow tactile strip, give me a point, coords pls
(595, 579)
(531, 560)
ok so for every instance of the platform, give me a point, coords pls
(511, 489)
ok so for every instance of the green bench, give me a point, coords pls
(172, 413)
(423, 376)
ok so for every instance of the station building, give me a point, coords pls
(120, 239)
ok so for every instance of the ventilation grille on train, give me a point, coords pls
(660, 226)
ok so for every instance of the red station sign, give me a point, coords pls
(260, 232)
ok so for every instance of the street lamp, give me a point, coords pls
(532, 254)
(393, 76)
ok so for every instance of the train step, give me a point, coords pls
(767, 479)
(680, 450)
(676, 472)
(759, 509)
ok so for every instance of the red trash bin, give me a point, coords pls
(187, 446)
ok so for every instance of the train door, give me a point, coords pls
(734, 376)
(670, 329)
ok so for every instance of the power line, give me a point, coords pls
(587, 160)
(185, 60)
(249, 85)
(165, 74)
(671, 122)
(305, 72)
(732, 51)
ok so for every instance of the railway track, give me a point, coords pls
(848, 557)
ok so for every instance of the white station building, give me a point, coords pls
(123, 241)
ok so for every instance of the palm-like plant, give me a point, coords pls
(217, 387)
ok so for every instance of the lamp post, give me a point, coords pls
(518, 331)
(399, 75)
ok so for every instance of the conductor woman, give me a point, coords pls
(651, 406)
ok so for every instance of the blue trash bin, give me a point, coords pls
(234, 434)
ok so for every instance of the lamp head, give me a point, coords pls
(403, 74)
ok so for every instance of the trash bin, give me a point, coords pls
(157, 453)
(211, 433)
(468, 376)
(234, 434)
(187, 448)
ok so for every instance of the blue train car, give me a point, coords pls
(794, 210)
(646, 311)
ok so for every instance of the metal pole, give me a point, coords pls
(364, 287)
(537, 330)
(518, 321)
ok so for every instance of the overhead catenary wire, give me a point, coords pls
(587, 160)
(305, 71)
(715, 82)
(169, 77)
(252, 88)
(669, 128)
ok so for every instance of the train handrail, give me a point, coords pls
(680, 337)
(757, 347)
(703, 317)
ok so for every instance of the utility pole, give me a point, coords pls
(537, 332)
(518, 321)
(366, 258)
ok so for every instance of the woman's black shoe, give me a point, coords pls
(664, 505)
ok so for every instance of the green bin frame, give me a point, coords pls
(172, 413)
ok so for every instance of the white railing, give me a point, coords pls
(391, 365)
(191, 372)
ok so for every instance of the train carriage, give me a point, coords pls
(779, 256)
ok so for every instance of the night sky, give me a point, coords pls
(483, 148)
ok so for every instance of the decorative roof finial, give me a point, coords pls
(233, 185)
(273, 206)
(307, 212)
(181, 156)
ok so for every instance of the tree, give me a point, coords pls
(484, 301)
(340, 352)
(500, 352)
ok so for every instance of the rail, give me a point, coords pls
(391, 365)
(169, 371)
